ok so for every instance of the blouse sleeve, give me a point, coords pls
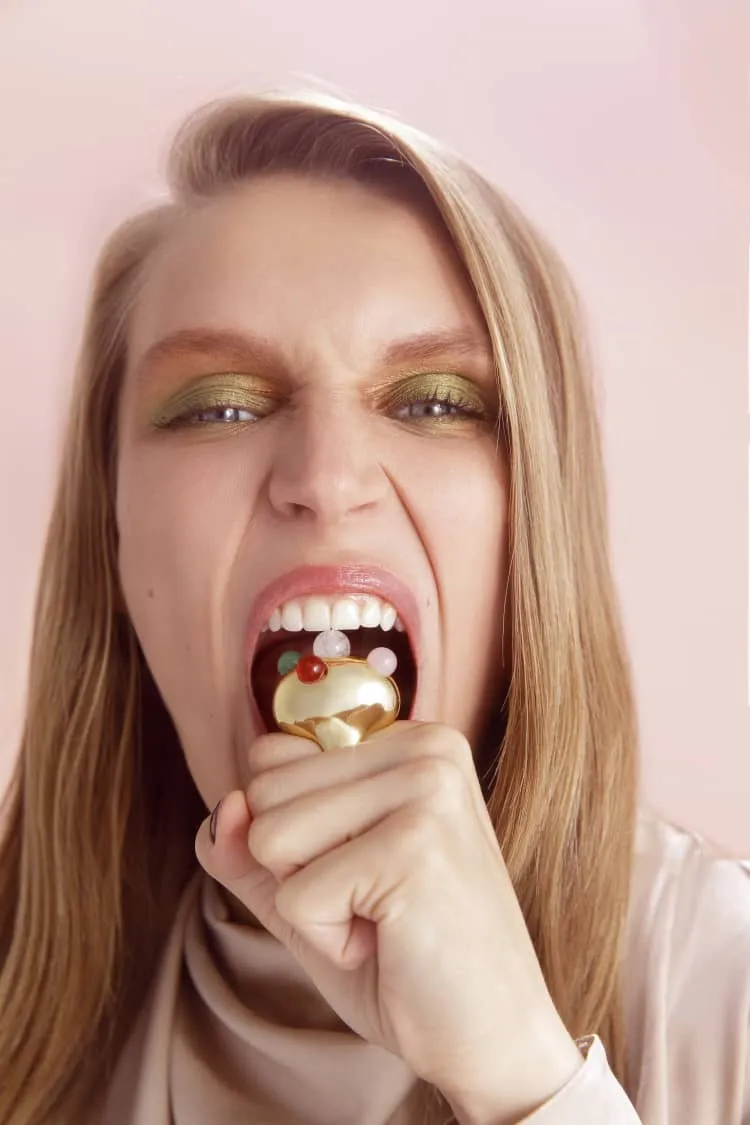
(689, 1011)
(592, 1097)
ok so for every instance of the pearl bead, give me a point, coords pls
(332, 643)
(383, 660)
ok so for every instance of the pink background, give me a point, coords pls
(620, 126)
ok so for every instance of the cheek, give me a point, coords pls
(180, 521)
(175, 515)
(468, 517)
(468, 524)
(177, 522)
(476, 569)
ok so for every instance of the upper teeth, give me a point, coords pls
(352, 611)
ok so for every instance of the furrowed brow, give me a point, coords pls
(424, 347)
(236, 349)
(246, 350)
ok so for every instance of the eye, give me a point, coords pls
(218, 402)
(439, 405)
(220, 414)
(434, 409)
(215, 416)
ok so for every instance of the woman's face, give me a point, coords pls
(308, 411)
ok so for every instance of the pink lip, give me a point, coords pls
(355, 578)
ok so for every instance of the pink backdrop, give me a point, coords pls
(620, 126)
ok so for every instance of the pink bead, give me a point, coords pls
(383, 661)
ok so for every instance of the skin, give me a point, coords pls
(354, 861)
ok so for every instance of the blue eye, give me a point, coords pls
(222, 414)
(218, 416)
(440, 405)
(434, 409)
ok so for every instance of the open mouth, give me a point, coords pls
(368, 622)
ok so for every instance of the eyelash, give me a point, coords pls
(449, 398)
(459, 406)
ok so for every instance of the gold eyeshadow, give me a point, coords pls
(447, 387)
(211, 392)
(243, 391)
(425, 385)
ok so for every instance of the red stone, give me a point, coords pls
(311, 669)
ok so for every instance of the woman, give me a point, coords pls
(338, 380)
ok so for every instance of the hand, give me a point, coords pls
(379, 869)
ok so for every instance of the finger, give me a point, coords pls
(399, 744)
(269, 751)
(322, 901)
(289, 836)
(226, 857)
(228, 860)
(440, 742)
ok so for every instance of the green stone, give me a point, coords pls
(287, 662)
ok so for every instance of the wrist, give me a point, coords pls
(520, 1085)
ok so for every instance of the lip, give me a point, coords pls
(353, 578)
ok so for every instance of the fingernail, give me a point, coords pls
(212, 823)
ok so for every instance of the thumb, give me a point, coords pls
(227, 858)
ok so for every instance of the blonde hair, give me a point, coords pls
(102, 812)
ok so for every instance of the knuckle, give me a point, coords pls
(288, 907)
(264, 751)
(416, 833)
(265, 843)
(438, 783)
(259, 793)
(429, 776)
(455, 746)
(461, 750)
(423, 845)
(428, 737)
(441, 741)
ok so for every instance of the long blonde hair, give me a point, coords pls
(101, 814)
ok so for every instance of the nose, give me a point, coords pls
(327, 464)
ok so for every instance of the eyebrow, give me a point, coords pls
(240, 348)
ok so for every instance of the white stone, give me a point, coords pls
(332, 644)
(383, 660)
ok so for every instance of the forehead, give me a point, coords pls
(299, 260)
